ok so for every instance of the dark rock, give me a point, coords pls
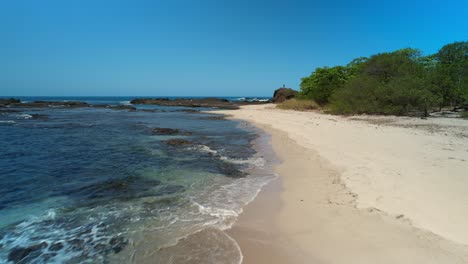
(123, 189)
(9, 101)
(42, 104)
(123, 107)
(9, 111)
(283, 94)
(220, 117)
(188, 102)
(17, 254)
(56, 246)
(192, 111)
(165, 131)
(230, 170)
(39, 117)
(48, 256)
(100, 247)
(170, 189)
(118, 243)
(178, 142)
(148, 100)
(73, 104)
(150, 110)
(77, 243)
(101, 106)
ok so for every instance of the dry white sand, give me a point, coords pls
(360, 190)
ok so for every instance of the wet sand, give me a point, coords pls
(314, 213)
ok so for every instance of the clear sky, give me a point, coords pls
(204, 47)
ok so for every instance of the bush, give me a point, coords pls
(400, 96)
(298, 104)
(321, 84)
(464, 115)
(357, 97)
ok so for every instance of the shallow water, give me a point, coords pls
(95, 185)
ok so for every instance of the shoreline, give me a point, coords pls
(313, 217)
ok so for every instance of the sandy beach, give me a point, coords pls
(358, 190)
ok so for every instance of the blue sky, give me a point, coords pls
(201, 48)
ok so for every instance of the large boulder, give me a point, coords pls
(283, 94)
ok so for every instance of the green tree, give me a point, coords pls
(451, 75)
(321, 84)
(385, 66)
(358, 96)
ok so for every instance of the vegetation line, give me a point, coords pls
(402, 82)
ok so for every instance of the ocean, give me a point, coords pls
(97, 185)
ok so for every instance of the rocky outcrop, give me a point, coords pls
(123, 107)
(202, 102)
(178, 142)
(9, 101)
(42, 104)
(169, 131)
(165, 131)
(7, 111)
(283, 94)
(26, 254)
(39, 117)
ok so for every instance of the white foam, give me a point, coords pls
(255, 161)
(7, 122)
(206, 149)
(216, 212)
(25, 116)
(125, 103)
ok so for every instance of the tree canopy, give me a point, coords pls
(399, 82)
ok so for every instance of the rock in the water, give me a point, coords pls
(17, 254)
(9, 101)
(8, 111)
(118, 243)
(192, 111)
(230, 170)
(218, 117)
(122, 189)
(40, 117)
(123, 107)
(42, 104)
(188, 102)
(170, 189)
(56, 246)
(178, 142)
(283, 94)
(165, 131)
(101, 105)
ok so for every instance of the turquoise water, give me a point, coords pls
(97, 186)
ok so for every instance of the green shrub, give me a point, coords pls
(399, 96)
(321, 84)
(402, 82)
(358, 96)
(464, 115)
(298, 104)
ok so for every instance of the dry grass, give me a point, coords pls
(298, 105)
